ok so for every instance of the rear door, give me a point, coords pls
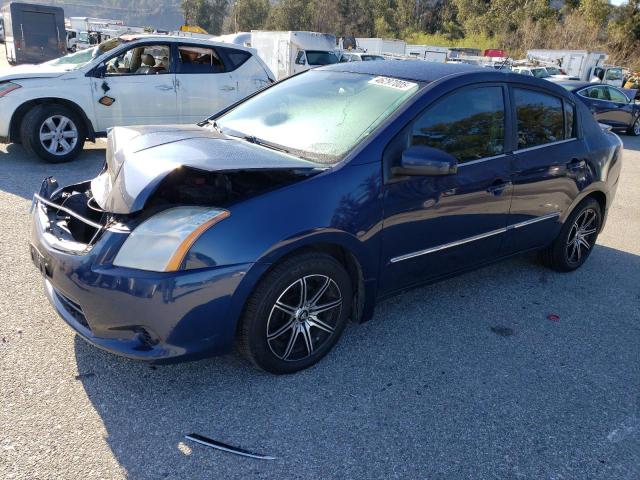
(435, 225)
(622, 112)
(248, 73)
(599, 102)
(204, 83)
(549, 166)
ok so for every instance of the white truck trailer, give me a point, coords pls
(582, 65)
(382, 46)
(287, 53)
(427, 52)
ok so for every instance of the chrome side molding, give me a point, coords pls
(457, 243)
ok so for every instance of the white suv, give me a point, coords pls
(53, 107)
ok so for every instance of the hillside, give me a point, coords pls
(162, 14)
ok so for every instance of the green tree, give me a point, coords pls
(595, 12)
(207, 14)
(247, 15)
(290, 15)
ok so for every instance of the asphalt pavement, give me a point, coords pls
(467, 378)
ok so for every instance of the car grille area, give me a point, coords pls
(72, 308)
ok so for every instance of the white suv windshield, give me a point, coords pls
(76, 60)
(319, 115)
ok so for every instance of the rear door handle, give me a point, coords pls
(498, 187)
(227, 88)
(576, 164)
(164, 87)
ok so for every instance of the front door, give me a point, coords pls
(437, 225)
(549, 168)
(138, 88)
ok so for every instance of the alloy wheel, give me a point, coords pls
(636, 126)
(304, 317)
(582, 236)
(58, 135)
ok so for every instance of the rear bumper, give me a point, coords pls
(154, 316)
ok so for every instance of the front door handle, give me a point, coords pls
(164, 87)
(576, 164)
(227, 88)
(499, 186)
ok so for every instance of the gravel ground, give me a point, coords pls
(463, 379)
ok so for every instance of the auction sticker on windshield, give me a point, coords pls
(393, 83)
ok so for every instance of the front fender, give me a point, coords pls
(339, 207)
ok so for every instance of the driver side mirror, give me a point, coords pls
(425, 161)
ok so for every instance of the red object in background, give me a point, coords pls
(494, 52)
(553, 317)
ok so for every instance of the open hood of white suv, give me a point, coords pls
(32, 71)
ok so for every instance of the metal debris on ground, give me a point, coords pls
(194, 437)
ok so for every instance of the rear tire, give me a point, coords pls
(53, 132)
(296, 313)
(576, 239)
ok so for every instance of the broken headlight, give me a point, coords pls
(161, 242)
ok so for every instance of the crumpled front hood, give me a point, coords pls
(139, 158)
(31, 71)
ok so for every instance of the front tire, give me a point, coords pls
(53, 132)
(296, 314)
(576, 239)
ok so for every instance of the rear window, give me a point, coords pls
(569, 120)
(540, 118)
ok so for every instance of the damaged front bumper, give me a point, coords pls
(154, 316)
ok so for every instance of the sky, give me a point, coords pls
(617, 2)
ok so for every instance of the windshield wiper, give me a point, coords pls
(257, 141)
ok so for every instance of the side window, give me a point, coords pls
(597, 93)
(235, 58)
(569, 120)
(145, 60)
(468, 124)
(300, 58)
(540, 118)
(617, 96)
(194, 59)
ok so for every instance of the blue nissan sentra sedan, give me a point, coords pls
(274, 222)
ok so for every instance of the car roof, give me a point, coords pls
(181, 39)
(428, 72)
(409, 70)
(575, 84)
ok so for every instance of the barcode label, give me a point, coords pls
(393, 83)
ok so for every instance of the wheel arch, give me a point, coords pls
(21, 111)
(364, 290)
(597, 193)
(351, 264)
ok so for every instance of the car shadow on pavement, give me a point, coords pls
(630, 142)
(21, 173)
(512, 370)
